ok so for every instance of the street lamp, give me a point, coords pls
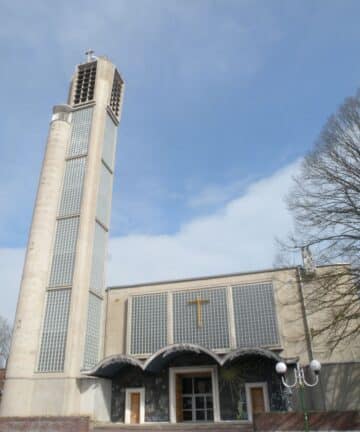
(300, 381)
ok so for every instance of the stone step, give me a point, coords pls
(166, 427)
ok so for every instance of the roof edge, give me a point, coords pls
(216, 276)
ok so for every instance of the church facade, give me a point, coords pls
(205, 349)
(199, 350)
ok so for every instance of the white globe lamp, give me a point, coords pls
(281, 368)
(315, 366)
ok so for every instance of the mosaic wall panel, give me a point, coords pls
(80, 132)
(148, 323)
(108, 153)
(232, 380)
(72, 188)
(214, 332)
(255, 315)
(92, 340)
(156, 394)
(53, 341)
(64, 252)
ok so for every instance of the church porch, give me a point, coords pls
(183, 387)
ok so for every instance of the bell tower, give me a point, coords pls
(59, 316)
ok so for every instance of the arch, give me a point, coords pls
(165, 354)
(245, 352)
(111, 365)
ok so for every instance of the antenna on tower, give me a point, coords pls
(89, 55)
(308, 260)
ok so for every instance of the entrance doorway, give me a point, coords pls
(135, 408)
(194, 394)
(196, 398)
(134, 405)
(257, 398)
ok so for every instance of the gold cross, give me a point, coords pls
(199, 302)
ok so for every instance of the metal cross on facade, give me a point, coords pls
(199, 302)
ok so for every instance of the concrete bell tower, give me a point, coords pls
(59, 317)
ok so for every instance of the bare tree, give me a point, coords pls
(325, 203)
(5, 338)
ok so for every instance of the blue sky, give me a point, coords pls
(222, 100)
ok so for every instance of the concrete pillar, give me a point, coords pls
(27, 326)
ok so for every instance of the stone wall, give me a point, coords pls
(44, 424)
(292, 421)
(338, 389)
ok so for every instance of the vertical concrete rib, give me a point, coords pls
(81, 278)
(22, 360)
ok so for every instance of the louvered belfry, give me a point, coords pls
(85, 83)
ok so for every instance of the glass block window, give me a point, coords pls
(255, 315)
(53, 341)
(108, 153)
(92, 340)
(103, 208)
(64, 252)
(80, 133)
(214, 331)
(98, 259)
(72, 187)
(148, 323)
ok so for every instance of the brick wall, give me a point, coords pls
(44, 424)
(294, 421)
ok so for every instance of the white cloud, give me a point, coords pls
(238, 237)
(215, 195)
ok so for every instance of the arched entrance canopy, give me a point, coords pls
(246, 352)
(164, 355)
(110, 366)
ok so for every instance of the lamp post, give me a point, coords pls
(300, 381)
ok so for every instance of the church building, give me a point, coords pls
(197, 351)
